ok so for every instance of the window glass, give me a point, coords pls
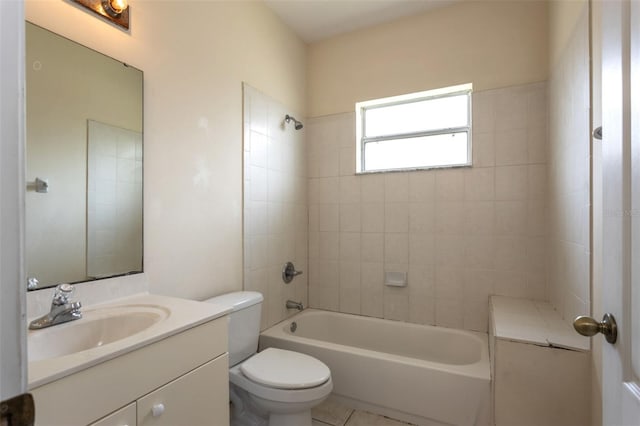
(425, 115)
(425, 151)
(421, 130)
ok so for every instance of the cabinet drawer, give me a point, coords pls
(125, 416)
(199, 398)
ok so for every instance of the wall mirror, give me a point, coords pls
(84, 163)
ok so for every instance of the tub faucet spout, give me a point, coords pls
(294, 305)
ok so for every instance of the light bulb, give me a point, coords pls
(118, 6)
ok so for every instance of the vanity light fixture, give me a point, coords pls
(115, 11)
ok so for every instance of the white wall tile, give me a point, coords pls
(479, 217)
(328, 245)
(422, 248)
(372, 246)
(328, 190)
(479, 184)
(511, 218)
(479, 252)
(422, 186)
(350, 300)
(276, 213)
(347, 161)
(372, 298)
(350, 217)
(396, 248)
(462, 233)
(396, 187)
(372, 188)
(511, 147)
(450, 185)
(568, 176)
(396, 217)
(396, 304)
(349, 189)
(483, 149)
(328, 217)
(450, 217)
(511, 109)
(350, 246)
(372, 217)
(350, 275)
(511, 183)
(449, 283)
(450, 313)
(484, 111)
(422, 217)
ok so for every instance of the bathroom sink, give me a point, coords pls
(97, 327)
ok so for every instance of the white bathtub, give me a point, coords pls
(422, 374)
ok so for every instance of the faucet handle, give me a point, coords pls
(63, 294)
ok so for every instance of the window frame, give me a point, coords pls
(445, 92)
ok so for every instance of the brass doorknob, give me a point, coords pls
(587, 326)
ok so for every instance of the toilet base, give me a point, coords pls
(251, 410)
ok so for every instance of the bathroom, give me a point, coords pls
(544, 242)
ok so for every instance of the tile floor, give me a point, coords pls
(333, 413)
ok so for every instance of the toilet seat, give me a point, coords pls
(280, 395)
(261, 369)
(282, 369)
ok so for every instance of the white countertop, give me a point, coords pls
(535, 322)
(183, 314)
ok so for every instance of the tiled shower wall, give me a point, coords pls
(569, 176)
(275, 204)
(461, 234)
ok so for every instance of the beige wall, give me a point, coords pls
(195, 56)
(489, 43)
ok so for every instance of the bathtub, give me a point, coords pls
(421, 374)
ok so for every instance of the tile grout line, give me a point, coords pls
(349, 417)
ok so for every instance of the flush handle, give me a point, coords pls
(587, 326)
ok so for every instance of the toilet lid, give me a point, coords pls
(282, 369)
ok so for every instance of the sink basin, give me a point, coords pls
(98, 327)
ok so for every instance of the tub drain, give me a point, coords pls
(293, 327)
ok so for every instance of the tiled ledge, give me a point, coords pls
(534, 322)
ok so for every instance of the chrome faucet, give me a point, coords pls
(62, 309)
(294, 305)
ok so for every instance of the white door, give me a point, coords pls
(621, 204)
(12, 292)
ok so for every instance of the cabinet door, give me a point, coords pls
(199, 398)
(125, 416)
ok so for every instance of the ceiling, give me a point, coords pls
(315, 20)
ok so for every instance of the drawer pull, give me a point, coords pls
(157, 410)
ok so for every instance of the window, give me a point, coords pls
(416, 131)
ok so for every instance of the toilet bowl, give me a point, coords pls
(274, 387)
(285, 385)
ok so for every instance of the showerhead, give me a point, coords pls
(297, 124)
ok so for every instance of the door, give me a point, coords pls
(12, 293)
(621, 205)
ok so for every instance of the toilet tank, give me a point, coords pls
(244, 323)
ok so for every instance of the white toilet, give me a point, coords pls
(274, 387)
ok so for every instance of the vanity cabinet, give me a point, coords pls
(179, 380)
(125, 416)
(193, 399)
